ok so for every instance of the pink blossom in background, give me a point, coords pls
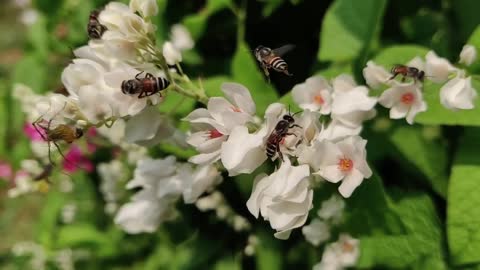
(91, 134)
(75, 159)
(6, 171)
(32, 133)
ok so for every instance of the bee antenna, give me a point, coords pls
(297, 112)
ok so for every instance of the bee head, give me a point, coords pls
(421, 75)
(262, 51)
(78, 133)
(129, 87)
(288, 118)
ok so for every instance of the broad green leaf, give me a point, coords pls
(436, 114)
(83, 234)
(197, 23)
(176, 104)
(267, 252)
(429, 157)
(227, 263)
(246, 72)
(212, 85)
(463, 213)
(400, 54)
(47, 226)
(349, 27)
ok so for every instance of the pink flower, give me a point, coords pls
(75, 159)
(32, 133)
(6, 171)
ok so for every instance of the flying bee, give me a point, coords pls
(145, 87)
(407, 71)
(95, 29)
(271, 59)
(280, 131)
(62, 132)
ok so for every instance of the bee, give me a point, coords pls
(271, 59)
(62, 132)
(95, 29)
(145, 87)
(407, 71)
(280, 131)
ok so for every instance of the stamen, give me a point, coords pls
(318, 99)
(408, 98)
(345, 164)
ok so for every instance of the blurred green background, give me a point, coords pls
(36, 54)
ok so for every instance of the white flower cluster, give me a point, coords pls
(329, 214)
(340, 255)
(162, 182)
(222, 132)
(405, 99)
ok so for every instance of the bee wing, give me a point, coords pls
(283, 50)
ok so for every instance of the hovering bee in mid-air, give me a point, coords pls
(95, 29)
(280, 131)
(406, 71)
(144, 87)
(271, 58)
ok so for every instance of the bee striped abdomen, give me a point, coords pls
(271, 149)
(278, 64)
(161, 83)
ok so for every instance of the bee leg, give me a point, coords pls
(287, 73)
(291, 134)
(136, 76)
(149, 76)
(295, 125)
(142, 94)
(393, 77)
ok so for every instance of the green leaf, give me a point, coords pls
(197, 23)
(76, 235)
(349, 28)
(31, 71)
(38, 37)
(175, 103)
(428, 156)
(400, 54)
(463, 213)
(245, 71)
(267, 252)
(212, 85)
(47, 225)
(270, 6)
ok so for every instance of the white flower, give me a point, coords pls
(147, 8)
(150, 172)
(148, 128)
(126, 30)
(29, 17)
(243, 152)
(171, 53)
(314, 94)
(82, 72)
(468, 55)
(351, 104)
(283, 198)
(123, 104)
(212, 126)
(340, 255)
(310, 126)
(198, 181)
(375, 75)
(437, 68)
(112, 174)
(336, 131)
(344, 160)
(316, 232)
(181, 38)
(332, 209)
(404, 100)
(144, 213)
(458, 93)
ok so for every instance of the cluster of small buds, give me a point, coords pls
(216, 202)
(405, 99)
(340, 255)
(329, 214)
(162, 181)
